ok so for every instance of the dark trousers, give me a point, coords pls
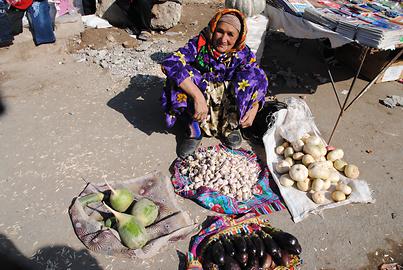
(138, 11)
(40, 20)
(89, 7)
(6, 35)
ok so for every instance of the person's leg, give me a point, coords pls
(41, 23)
(193, 136)
(6, 37)
(140, 13)
(89, 7)
(229, 119)
(15, 17)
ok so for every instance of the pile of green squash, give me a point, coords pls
(130, 218)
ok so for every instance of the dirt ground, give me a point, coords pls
(59, 127)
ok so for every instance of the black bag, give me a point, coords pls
(263, 121)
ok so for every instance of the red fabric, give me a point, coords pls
(20, 4)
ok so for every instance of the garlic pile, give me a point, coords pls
(313, 167)
(230, 174)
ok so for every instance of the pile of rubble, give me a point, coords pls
(129, 62)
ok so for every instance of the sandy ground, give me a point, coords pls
(62, 123)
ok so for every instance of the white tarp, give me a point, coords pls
(298, 202)
(298, 27)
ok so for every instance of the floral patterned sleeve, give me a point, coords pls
(174, 66)
(250, 82)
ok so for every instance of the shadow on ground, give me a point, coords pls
(393, 253)
(2, 106)
(51, 257)
(140, 104)
(297, 66)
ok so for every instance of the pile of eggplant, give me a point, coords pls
(264, 249)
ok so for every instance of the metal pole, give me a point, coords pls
(334, 87)
(364, 55)
(328, 72)
(374, 80)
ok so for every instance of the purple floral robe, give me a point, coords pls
(194, 60)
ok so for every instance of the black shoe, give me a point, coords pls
(234, 139)
(188, 147)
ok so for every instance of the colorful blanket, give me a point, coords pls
(264, 201)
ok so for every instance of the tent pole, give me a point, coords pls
(374, 79)
(364, 55)
(334, 87)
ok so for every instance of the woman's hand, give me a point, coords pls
(249, 116)
(201, 109)
(200, 104)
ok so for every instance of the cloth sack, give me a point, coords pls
(171, 225)
(291, 124)
(263, 121)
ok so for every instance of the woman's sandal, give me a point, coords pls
(234, 139)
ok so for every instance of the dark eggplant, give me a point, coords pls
(231, 264)
(253, 264)
(266, 261)
(286, 241)
(239, 244)
(285, 258)
(250, 246)
(217, 253)
(228, 247)
(242, 258)
(259, 245)
(207, 262)
(272, 248)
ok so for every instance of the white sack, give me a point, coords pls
(94, 21)
(255, 38)
(298, 202)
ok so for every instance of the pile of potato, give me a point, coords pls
(312, 167)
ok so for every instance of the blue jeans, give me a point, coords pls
(5, 27)
(41, 22)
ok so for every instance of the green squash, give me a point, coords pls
(145, 211)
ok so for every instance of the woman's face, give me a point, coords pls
(225, 37)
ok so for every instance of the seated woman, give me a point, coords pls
(214, 84)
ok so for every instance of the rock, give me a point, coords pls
(102, 53)
(110, 38)
(165, 15)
